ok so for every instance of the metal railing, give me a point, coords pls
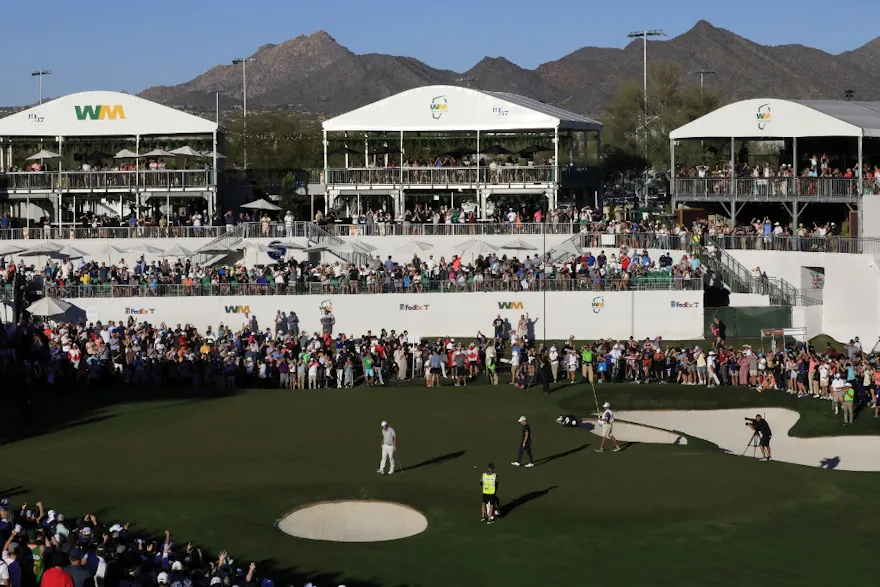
(442, 176)
(109, 180)
(393, 286)
(772, 188)
(43, 232)
(479, 229)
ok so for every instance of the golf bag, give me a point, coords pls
(569, 421)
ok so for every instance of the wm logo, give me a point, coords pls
(100, 112)
(238, 310)
(510, 305)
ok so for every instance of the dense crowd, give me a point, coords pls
(492, 272)
(49, 549)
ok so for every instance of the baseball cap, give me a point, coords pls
(75, 554)
(384, 423)
(215, 581)
(177, 566)
(162, 579)
(522, 419)
(606, 405)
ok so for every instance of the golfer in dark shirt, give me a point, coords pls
(763, 428)
(525, 444)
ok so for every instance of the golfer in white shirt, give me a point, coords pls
(389, 447)
(606, 421)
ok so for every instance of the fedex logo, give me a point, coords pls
(684, 304)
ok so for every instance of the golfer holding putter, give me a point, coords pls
(606, 421)
(389, 447)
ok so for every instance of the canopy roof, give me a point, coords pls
(90, 114)
(772, 118)
(452, 108)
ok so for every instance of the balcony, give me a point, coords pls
(106, 181)
(442, 177)
(783, 189)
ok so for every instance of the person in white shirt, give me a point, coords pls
(837, 386)
(606, 421)
(389, 448)
(554, 363)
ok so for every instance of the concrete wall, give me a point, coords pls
(672, 315)
(738, 300)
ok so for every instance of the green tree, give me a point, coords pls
(276, 140)
(671, 104)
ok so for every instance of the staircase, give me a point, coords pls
(317, 236)
(229, 238)
(739, 279)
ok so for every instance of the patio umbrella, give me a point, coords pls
(10, 249)
(262, 204)
(40, 250)
(97, 156)
(177, 251)
(43, 154)
(384, 150)
(48, 307)
(346, 150)
(125, 154)
(414, 245)
(292, 245)
(260, 247)
(475, 246)
(349, 247)
(496, 150)
(69, 252)
(145, 248)
(186, 151)
(211, 155)
(461, 151)
(532, 149)
(518, 245)
(158, 153)
(111, 249)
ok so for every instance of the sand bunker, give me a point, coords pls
(628, 432)
(726, 429)
(354, 521)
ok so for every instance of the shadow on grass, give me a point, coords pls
(437, 460)
(560, 455)
(13, 491)
(524, 499)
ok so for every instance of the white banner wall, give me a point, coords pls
(674, 315)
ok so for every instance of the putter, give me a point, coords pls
(398, 462)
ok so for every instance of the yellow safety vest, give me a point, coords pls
(489, 483)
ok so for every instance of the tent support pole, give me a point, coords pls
(861, 191)
(552, 205)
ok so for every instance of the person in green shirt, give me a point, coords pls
(587, 363)
(849, 396)
(368, 369)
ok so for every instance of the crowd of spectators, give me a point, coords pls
(47, 548)
(620, 270)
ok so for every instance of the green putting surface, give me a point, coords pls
(221, 471)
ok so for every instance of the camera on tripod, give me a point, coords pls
(750, 421)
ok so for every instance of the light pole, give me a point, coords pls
(40, 75)
(243, 61)
(217, 108)
(702, 73)
(644, 36)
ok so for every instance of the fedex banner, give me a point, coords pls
(674, 315)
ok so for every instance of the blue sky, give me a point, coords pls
(102, 45)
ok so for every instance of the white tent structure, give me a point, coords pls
(448, 110)
(787, 120)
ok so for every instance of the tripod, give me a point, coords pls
(754, 443)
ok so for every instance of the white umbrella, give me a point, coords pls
(475, 246)
(111, 249)
(39, 250)
(125, 154)
(158, 153)
(212, 154)
(177, 251)
(69, 252)
(349, 247)
(144, 248)
(186, 151)
(518, 244)
(263, 248)
(292, 245)
(10, 249)
(414, 245)
(48, 307)
(43, 154)
(262, 204)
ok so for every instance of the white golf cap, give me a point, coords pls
(522, 419)
(606, 405)
(384, 423)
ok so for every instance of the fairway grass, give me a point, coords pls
(221, 472)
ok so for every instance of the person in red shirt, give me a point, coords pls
(56, 576)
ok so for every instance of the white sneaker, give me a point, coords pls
(380, 471)
(618, 449)
(530, 465)
(391, 472)
(515, 463)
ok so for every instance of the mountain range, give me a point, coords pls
(316, 75)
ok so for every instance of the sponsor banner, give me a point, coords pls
(675, 315)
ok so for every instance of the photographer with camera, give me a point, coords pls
(762, 429)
